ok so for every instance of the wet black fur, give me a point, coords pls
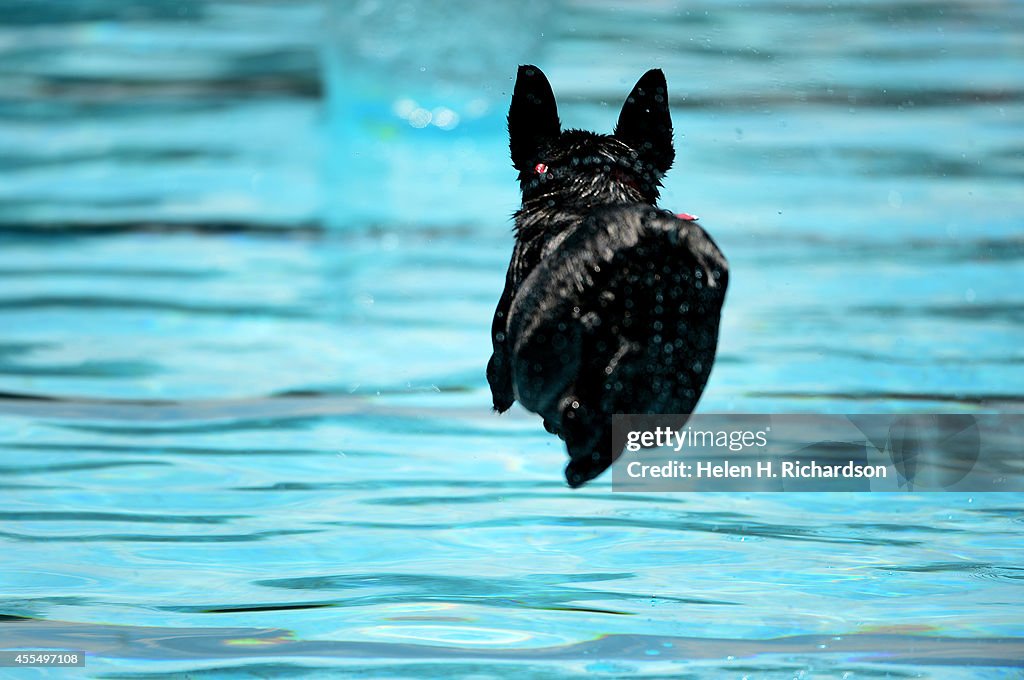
(611, 305)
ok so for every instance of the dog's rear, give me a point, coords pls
(611, 305)
(622, 319)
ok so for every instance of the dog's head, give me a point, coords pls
(575, 167)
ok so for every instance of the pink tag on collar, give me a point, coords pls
(687, 216)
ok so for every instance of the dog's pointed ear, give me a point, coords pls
(532, 117)
(645, 123)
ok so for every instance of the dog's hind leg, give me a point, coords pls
(499, 370)
(589, 447)
(545, 364)
(500, 381)
(587, 427)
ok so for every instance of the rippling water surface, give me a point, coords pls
(244, 427)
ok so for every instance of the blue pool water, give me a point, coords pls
(244, 311)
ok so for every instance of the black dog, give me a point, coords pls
(611, 305)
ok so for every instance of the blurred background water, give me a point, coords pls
(250, 252)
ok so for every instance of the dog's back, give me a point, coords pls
(621, 318)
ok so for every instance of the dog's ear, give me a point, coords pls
(645, 123)
(532, 117)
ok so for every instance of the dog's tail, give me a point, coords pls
(622, 318)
